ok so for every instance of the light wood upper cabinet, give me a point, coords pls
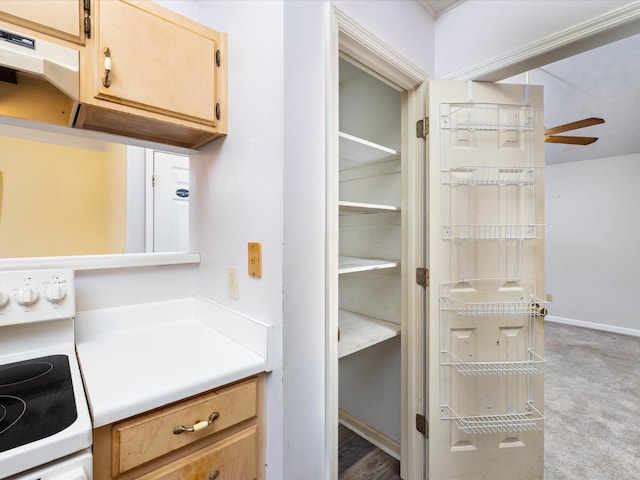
(168, 75)
(157, 64)
(62, 19)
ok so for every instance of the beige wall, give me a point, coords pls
(59, 200)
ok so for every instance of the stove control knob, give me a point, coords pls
(26, 296)
(55, 293)
(4, 299)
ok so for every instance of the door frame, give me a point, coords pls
(351, 39)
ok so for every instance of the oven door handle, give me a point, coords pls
(196, 426)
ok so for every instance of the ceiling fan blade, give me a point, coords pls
(569, 140)
(586, 122)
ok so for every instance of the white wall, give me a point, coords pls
(237, 182)
(478, 31)
(404, 26)
(267, 182)
(592, 253)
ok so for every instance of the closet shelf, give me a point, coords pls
(531, 420)
(532, 366)
(358, 208)
(358, 332)
(468, 175)
(357, 151)
(357, 264)
(489, 117)
(493, 231)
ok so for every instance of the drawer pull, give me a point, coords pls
(214, 474)
(197, 426)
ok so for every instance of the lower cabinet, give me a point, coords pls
(217, 434)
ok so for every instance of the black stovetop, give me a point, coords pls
(36, 400)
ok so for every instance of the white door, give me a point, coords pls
(170, 202)
(485, 257)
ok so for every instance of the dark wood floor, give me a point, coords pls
(360, 460)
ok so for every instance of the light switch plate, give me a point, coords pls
(255, 259)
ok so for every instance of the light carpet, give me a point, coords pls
(592, 404)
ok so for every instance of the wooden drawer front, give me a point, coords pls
(234, 458)
(149, 436)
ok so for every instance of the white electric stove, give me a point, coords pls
(45, 427)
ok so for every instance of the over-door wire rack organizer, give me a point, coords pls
(511, 300)
(488, 180)
(472, 121)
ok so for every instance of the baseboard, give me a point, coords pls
(594, 326)
(378, 439)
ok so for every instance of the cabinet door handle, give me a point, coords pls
(197, 426)
(214, 474)
(106, 81)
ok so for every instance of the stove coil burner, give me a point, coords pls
(13, 409)
(36, 400)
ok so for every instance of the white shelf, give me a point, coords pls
(358, 332)
(357, 151)
(358, 208)
(356, 264)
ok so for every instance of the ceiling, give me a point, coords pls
(437, 7)
(602, 82)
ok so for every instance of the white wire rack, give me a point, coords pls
(532, 366)
(492, 175)
(530, 420)
(492, 232)
(489, 117)
(490, 297)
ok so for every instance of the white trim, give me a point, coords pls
(499, 67)
(384, 443)
(94, 262)
(594, 326)
(375, 55)
(148, 199)
(371, 54)
(332, 169)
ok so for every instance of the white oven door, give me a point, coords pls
(78, 466)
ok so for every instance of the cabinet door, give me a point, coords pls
(157, 63)
(234, 457)
(485, 255)
(58, 18)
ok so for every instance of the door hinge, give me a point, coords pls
(87, 18)
(422, 425)
(153, 181)
(422, 276)
(87, 26)
(422, 128)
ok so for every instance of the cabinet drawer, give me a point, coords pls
(234, 458)
(141, 439)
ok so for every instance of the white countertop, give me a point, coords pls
(137, 358)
